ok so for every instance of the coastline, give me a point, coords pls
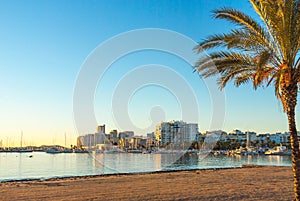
(250, 182)
(126, 173)
(122, 174)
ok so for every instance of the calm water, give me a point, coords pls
(14, 166)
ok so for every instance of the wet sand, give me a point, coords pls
(247, 183)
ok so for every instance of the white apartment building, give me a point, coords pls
(175, 132)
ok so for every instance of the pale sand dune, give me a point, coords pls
(256, 183)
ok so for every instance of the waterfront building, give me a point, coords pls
(151, 135)
(190, 132)
(250, 138)
(126, 142)
(263, 138)
(241, 137)
(238, 135)
(114, 133)
(126, 134)
(149, 142)
(114, 136)
(80, 141)
(280, 138)
(89, 140)
(100, 138)
(236, 132)
(232, 137)
(100, 129)
(135, 142)
(175, 132)
(107, 138)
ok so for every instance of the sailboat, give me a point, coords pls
(22, 149)
(66, 150)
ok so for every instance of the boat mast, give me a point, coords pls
(21, 138)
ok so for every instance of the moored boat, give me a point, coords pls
(53, 150)
(278, 150)
(67, 151)
(80, 151)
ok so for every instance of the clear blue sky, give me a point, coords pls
(44, 43)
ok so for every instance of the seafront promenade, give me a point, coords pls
(247, 183)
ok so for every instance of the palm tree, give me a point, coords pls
(264, 53)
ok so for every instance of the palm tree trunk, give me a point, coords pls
(290, 101)
(295, 153)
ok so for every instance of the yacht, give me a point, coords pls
(53, 150)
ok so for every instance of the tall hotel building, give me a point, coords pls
(175, 132)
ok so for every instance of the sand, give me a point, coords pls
(247, 183)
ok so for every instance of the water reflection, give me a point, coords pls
(20, 164)
(157, 162)
(183, 161)
(42, 165)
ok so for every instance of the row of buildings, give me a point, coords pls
(176, 134)
(173, 132)
(102, 140)
(251, 138)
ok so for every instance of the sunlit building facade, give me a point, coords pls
(175, 132)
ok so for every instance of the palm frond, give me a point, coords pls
(261, 53)
(263, 58)
(246, 22)
(242, 79)
(267, 12)
(211, 42)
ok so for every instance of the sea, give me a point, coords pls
(41, 165)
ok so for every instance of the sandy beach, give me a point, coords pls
(247, 183)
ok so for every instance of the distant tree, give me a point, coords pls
(271, 143)
(255, 143)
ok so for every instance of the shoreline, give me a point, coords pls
(251, 182)
(132, 173)
(55, 178)
(116, 174)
